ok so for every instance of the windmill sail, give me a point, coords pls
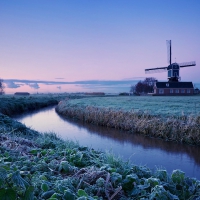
(155, 70)
(173, 68)
(169, 51)
(187, 64)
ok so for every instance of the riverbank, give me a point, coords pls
(104, 112)
(13, 104)
(42, 166)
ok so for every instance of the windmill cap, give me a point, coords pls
(173, 66)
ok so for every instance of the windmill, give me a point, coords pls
(173, 68)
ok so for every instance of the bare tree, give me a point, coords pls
(132, 89)
(1, 87)
(139, 87)
(145, 86)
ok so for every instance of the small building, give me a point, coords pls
(196, 91)
(22, 93)
(94, 93)
(173, 88)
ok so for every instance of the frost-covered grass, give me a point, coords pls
(154, 105)
(38, 166)
(113, 112)
(12, 104)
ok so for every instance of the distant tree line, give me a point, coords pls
(1, 87)
(145, 86)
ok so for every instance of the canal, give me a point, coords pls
(138, 149)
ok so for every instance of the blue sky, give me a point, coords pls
(81, 40)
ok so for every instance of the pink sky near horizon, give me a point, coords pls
(97, 40)
(44, 89)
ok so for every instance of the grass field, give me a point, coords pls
(154, 105)
(37, 166)
(170, 118)
(12, 104)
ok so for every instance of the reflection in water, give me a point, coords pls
(135, 139)
(134, 147)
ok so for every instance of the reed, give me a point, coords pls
(184, 129)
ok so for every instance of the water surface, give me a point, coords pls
(140, 150)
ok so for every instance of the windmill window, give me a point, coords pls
(167, 84)
(182, 91)
(169, 73)
(171, 91)
(177, 91)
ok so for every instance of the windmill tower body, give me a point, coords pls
(173, 86)
(173, 72)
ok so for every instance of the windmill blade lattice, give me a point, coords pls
(187, 64)
(155, 70)
(173, 69)
(169, 51)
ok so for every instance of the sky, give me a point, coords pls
(89, 45)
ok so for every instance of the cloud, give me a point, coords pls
(87, 84)
(34, 85)
(11, 84)
(135, 78)
(91, 82)
(59, 78)
(107, 86)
